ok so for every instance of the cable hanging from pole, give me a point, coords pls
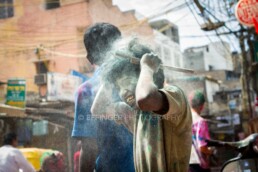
(62, 54)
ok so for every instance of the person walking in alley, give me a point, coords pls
(106, 145)
(52, 161)
(199, 161)
(76, 157)
(11, 158)
(159, 117)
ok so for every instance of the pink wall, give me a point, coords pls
(59, 30)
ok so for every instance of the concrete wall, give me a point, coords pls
(219, 56)
(194, 61)
(170, 54)
(214, 56)
(211, 88)
(31, 26)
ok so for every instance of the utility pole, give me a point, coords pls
(253, 67)
(245, 36)
(245, 79)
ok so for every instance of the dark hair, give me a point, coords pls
(117, 67)
(9, 137)
(196, 98)
(98, 40)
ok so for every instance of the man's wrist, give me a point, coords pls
(147, 68)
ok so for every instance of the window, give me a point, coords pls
(52, 4)
(42, 66)
(6, 9)
(210, 68)
(158, 50)
(175, 34)
(167, 55)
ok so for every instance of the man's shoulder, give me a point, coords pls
(15, 150)
(4, 147)
(173, 90)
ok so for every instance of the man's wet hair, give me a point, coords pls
(98, 40)
(118, 67)
(196, 98)
(9, 137)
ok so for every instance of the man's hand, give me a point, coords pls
(151, 60)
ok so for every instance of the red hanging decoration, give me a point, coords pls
(255, 25)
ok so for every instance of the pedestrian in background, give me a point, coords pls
(106, 145)
(76, 157)
(11, 158)
(52, 161)
(199, 161)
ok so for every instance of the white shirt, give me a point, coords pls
(12, 160)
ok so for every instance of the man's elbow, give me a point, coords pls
(150, 102)
(143, 102)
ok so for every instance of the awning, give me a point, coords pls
(10, 111)
(3, 83)
(56, 116)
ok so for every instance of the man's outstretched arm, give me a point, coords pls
(148, 97)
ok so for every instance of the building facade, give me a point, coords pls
(42, 43)
(214, 56)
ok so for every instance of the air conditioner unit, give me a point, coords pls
(40, 79)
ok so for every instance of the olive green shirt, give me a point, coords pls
(162, 143)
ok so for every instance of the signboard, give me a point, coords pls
(40, 128)
(232, 104)
(16, 92)
(247, 11)
(232, 120)
(80, 75)
(61, 86)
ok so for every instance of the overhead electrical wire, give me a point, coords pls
(63, 54)
(223, 43)
(171, 25)
(167, 11)
(134, 24)
(204, 33)
(16, 46)
(216, 30)
(44, 38)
